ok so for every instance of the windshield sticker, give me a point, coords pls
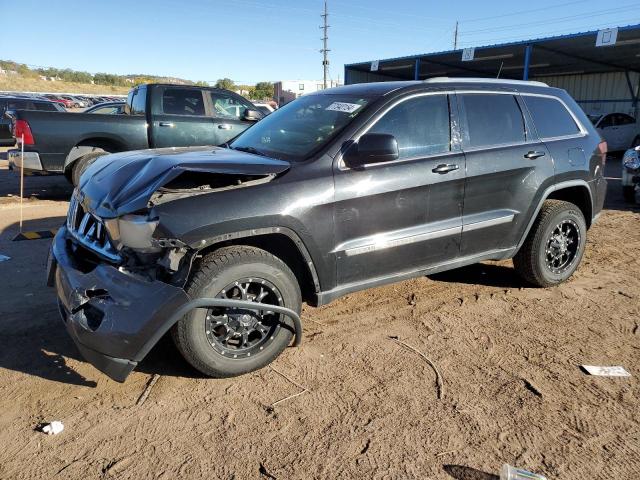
(343, 107)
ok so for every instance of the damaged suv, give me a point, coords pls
(341, 190)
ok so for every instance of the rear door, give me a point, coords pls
(227, 111)
(506, 165)
(609, 131)
(627, 129)
(179, 118)
(402, 216)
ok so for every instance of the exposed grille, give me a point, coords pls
(89, 231)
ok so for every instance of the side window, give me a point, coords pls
(421, 126)
(607, 121)
(47, 107)
(3, 108)
(17, 105)
(551, 117)
(182, 101)
(493, 119)
(623, 119)
(138, 102)
(228, 106)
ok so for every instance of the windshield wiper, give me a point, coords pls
(255, 151)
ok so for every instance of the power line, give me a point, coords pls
(597, 13)
(493, 17)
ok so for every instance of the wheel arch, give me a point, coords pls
(281, 242)
(574, 191)
(88, 145)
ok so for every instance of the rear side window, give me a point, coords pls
(138, 101)
(493, 119)
(44, 106)
(17, 105)
(551, 117)
(421, 126)
(182, 101)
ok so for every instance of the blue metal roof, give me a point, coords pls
(533, 41)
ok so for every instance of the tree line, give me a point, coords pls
(259, 91)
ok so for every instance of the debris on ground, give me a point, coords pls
(511, 473)
(615, 371)
(52, 428)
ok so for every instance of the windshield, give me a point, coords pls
(300, 128)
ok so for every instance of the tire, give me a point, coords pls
(629, 193)
(196, 338)
(82, 163)
(531, 261)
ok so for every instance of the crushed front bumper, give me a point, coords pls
(113, 317)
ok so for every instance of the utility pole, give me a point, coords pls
(455, 37)
(325, 38)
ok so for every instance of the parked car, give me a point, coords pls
(631, 174)
(621, 131)
(155, 115)
(22, 103)
(264, 108)
(338, 191)
(107, 108)
(68, 103)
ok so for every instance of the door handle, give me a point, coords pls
(166, 124)
(445, 168)
(533, 155)
(225, 126)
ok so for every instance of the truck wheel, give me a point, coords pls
(228, 342)
(82, 163)
(629, 193)
(555, 245)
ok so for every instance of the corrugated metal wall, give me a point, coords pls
(599, 93)
(355, 76)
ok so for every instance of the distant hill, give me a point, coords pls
(20, 77)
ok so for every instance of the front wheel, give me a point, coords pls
(555, 245)
(229, 342)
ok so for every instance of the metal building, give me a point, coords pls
(600, 69)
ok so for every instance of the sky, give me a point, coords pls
(269, 40)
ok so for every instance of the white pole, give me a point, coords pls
(21, 178)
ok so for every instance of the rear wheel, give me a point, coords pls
(555, 245)
(230, 342)
(82, 163)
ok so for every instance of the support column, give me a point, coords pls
(527, 61)
(416, 70)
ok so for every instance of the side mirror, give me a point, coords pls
(372, 148)
(252, 115)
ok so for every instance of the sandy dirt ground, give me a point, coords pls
(368, 407)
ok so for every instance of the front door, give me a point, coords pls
(228, 113)
(181, 120)
(402, 216)
(506, 164)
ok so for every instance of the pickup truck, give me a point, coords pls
(155, 116)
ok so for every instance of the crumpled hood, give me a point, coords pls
(122, 183)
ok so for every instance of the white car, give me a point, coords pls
(619, 130)
(264, 108)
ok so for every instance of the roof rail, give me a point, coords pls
(484, 80)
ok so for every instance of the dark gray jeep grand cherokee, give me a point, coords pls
(338, 191)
